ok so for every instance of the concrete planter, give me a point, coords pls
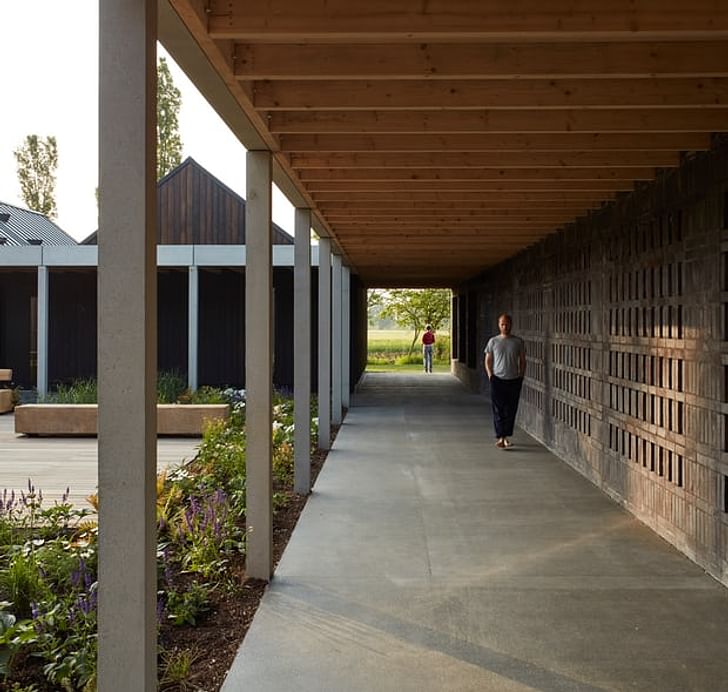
(6, 395)
(77, 420)
(6, 400)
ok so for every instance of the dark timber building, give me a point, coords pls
(195, 211)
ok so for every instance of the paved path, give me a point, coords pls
(429, 560)
(57, 463)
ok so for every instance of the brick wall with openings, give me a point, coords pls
(625, 318)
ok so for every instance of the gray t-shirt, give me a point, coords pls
(506, 352)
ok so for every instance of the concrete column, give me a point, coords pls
(346, 337)
(302, 353)
(336, 348)
(127, 347)
(324, 344)
(41, 348)
(193, 321)
(259, 364)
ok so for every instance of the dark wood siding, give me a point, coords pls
(222, 328)
(283, 327)
(18, 288)
(172, 306)
(195, 208)
(71, 325)
(357, 331)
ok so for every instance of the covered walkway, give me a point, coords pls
(427, 559)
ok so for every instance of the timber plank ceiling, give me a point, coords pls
(436, 138)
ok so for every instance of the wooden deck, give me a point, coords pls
(53, 464)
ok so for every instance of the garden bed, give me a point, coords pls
(48, 567)
(81, 420)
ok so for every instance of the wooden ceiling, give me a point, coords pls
(436, 138)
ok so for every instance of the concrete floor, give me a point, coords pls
(55, 463)
(427, 559)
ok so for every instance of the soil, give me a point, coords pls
(215, 640)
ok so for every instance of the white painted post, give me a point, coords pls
(127, 348)
(41, 348)
(302, 353)
(324, 344)
(193, 321)
(336, 347)
(346, 338)
(259, 365)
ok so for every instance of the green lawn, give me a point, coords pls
(409, 367)
(387, 349)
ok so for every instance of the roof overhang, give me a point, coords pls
(434, 140)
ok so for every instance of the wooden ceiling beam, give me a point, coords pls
(440, 256)
(602, 172)
(651, 120)
(453, 246)
(482, 196)
(343, 95)
(438, 236)
(508, 159)
(322, 189)
(462, 200)
(452, 216)
(324, 143)
(444, 20)
(403, 230)
(480, 60)
(382, 199)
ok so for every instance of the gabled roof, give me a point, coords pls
(195, 207)
(21, 227)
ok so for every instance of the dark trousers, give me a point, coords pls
(504, 395)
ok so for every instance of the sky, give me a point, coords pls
(49, 80)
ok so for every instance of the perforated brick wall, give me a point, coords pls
(625, 318)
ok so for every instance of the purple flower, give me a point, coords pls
(167, 566)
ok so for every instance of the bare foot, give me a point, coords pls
(501, 444)
(508, 443)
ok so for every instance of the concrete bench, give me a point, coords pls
(78, 420)
(6, 394)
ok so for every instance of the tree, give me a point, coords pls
(415, 308)
(169, 101)
(37, 162)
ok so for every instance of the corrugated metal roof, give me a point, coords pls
(24, 227)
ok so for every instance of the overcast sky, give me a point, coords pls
(49, 68)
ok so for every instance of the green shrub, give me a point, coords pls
(170, 386)
(22, 584)
(414, 358)
(441, 352)
(177, 669)
(84, 391)
(207, 395)
(186, 607)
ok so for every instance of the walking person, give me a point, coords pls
(428, 340)
(505, 364)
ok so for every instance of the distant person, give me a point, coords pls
(505, 364)
(428, 339)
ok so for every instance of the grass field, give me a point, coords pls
(387, 352)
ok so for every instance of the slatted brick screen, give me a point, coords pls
(625, 318)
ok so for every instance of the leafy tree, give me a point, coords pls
(169, 101)
(37, 162)
(415, 308)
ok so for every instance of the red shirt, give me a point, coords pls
(428, 338)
